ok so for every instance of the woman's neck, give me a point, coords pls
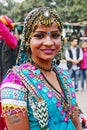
(43, 65)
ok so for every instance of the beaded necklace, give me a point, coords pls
(41, 67)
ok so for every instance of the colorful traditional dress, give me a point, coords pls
(25, 89)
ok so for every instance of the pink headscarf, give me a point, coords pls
(7, 21)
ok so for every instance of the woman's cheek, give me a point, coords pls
(59, 44)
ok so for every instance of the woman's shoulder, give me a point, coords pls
(62, 71)
(64, 75)
(28, 66)
(13, 82)
(67, 83)
(12, 75)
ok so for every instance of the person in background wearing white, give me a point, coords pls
(73, 56)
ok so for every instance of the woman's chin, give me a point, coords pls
(48, 59)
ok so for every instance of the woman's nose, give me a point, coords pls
(48, 41)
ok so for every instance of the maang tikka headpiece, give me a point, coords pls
(45, 16)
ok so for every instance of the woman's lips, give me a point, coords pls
(48, 51)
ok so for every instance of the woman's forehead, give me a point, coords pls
(53, 27)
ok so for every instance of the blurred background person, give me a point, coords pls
(73, 57)
(83, 64)
(8, 45)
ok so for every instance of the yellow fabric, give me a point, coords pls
(3, 20)
(7, 21)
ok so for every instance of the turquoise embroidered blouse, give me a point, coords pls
(22, 93)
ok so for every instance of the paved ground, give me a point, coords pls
(81, 95)
(82, 101)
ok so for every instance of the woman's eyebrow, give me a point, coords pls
(46, 32)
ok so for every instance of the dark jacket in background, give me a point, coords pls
(7, 58)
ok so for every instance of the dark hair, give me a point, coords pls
(73, 38)
(84, 40)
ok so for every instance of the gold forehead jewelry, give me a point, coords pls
(47, 13)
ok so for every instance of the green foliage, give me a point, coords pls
(69, 10)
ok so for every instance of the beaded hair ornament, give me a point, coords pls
(43, 15)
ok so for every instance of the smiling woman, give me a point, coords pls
(38, 95)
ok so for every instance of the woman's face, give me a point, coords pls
(45, 42)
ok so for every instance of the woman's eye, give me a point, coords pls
(55, 35)
(39, 36)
